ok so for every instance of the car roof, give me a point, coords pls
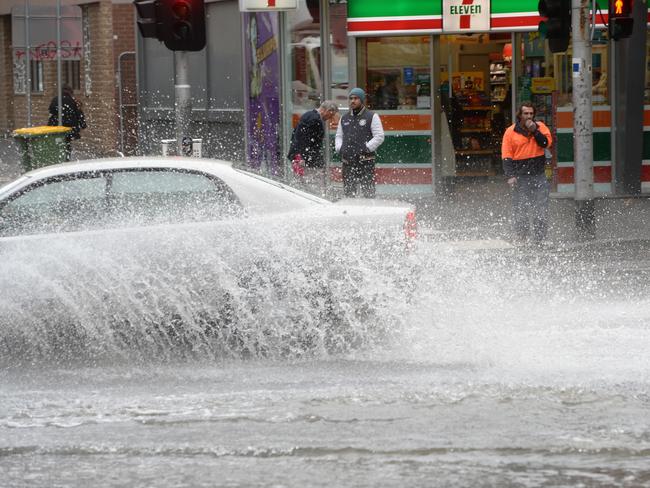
(107, 164)
(255, 191)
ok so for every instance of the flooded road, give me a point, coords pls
(514, 368)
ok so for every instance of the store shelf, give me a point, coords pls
(475, 130)
(474, 152)
(487, 172)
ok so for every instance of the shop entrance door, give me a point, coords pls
(476, 101)
(396, 74)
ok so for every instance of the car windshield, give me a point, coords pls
(95, 200)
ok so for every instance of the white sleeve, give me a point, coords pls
(377, 134)
(338, 140)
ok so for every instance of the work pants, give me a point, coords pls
(530, 204)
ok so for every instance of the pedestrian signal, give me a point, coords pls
(620, 19)
(556, 23)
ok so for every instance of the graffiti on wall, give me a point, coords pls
(70, 51)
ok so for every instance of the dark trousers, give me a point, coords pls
(530, 203)
(359, 177)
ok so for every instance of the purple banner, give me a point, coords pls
(262, 92)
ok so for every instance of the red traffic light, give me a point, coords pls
(181, 9)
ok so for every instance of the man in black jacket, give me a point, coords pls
(72, 116)
(306, 149)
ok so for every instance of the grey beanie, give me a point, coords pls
(358, 92)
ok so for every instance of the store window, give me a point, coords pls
(71, 74)
(556, 68)
(339, 75)
(36, 73)
(395, 72)
(305, 56)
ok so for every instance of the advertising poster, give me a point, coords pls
(262, 92)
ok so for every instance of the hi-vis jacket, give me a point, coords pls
(523, 152)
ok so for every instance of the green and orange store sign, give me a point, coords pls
(393, 17)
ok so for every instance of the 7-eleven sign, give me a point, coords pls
(465, 16)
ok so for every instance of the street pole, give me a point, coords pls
(183, 98)
(28, 67)
(59, 89)
(582, 120)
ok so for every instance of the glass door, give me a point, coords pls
(395, 73)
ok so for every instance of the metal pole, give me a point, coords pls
(582, 120)
(120, 97)
(28, 71)
(59, 88)
(182, 94)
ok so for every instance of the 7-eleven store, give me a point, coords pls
(481, 57)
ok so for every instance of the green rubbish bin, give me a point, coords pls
(41, 146)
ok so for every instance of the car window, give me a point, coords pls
(168, 196)
(56, 205)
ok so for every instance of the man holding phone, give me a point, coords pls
(522, 152)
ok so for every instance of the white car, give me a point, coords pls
(161, 257)
(126, 192)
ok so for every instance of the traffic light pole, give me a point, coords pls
(182, 94)
(582, 120)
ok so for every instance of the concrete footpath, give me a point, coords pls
(478, 211)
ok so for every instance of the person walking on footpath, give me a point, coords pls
(358, 136)
(523, 154)
(72, 117)
(306, 148)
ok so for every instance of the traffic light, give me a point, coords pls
(180, 24)
(557, 24)
(183, 24)
(620, 19)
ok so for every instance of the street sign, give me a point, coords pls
(267, 5)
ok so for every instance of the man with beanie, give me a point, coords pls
(358, 136)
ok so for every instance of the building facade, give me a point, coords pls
(446, 78)
(98, 62)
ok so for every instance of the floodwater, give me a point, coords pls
(444, 368)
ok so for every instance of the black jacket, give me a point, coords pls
(73, 116)
(307, 140)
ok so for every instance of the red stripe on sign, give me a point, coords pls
(394, 25)
(393, 176)
(403, 176)
(504, 22)
(602, 174)
(564, 175)
(645, 172)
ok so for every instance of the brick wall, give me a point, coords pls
(100, 138)
(6, 79)
(111, 32)
(125, 67)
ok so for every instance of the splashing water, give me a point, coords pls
(233, 289)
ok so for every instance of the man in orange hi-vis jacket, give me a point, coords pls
(522, 151)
